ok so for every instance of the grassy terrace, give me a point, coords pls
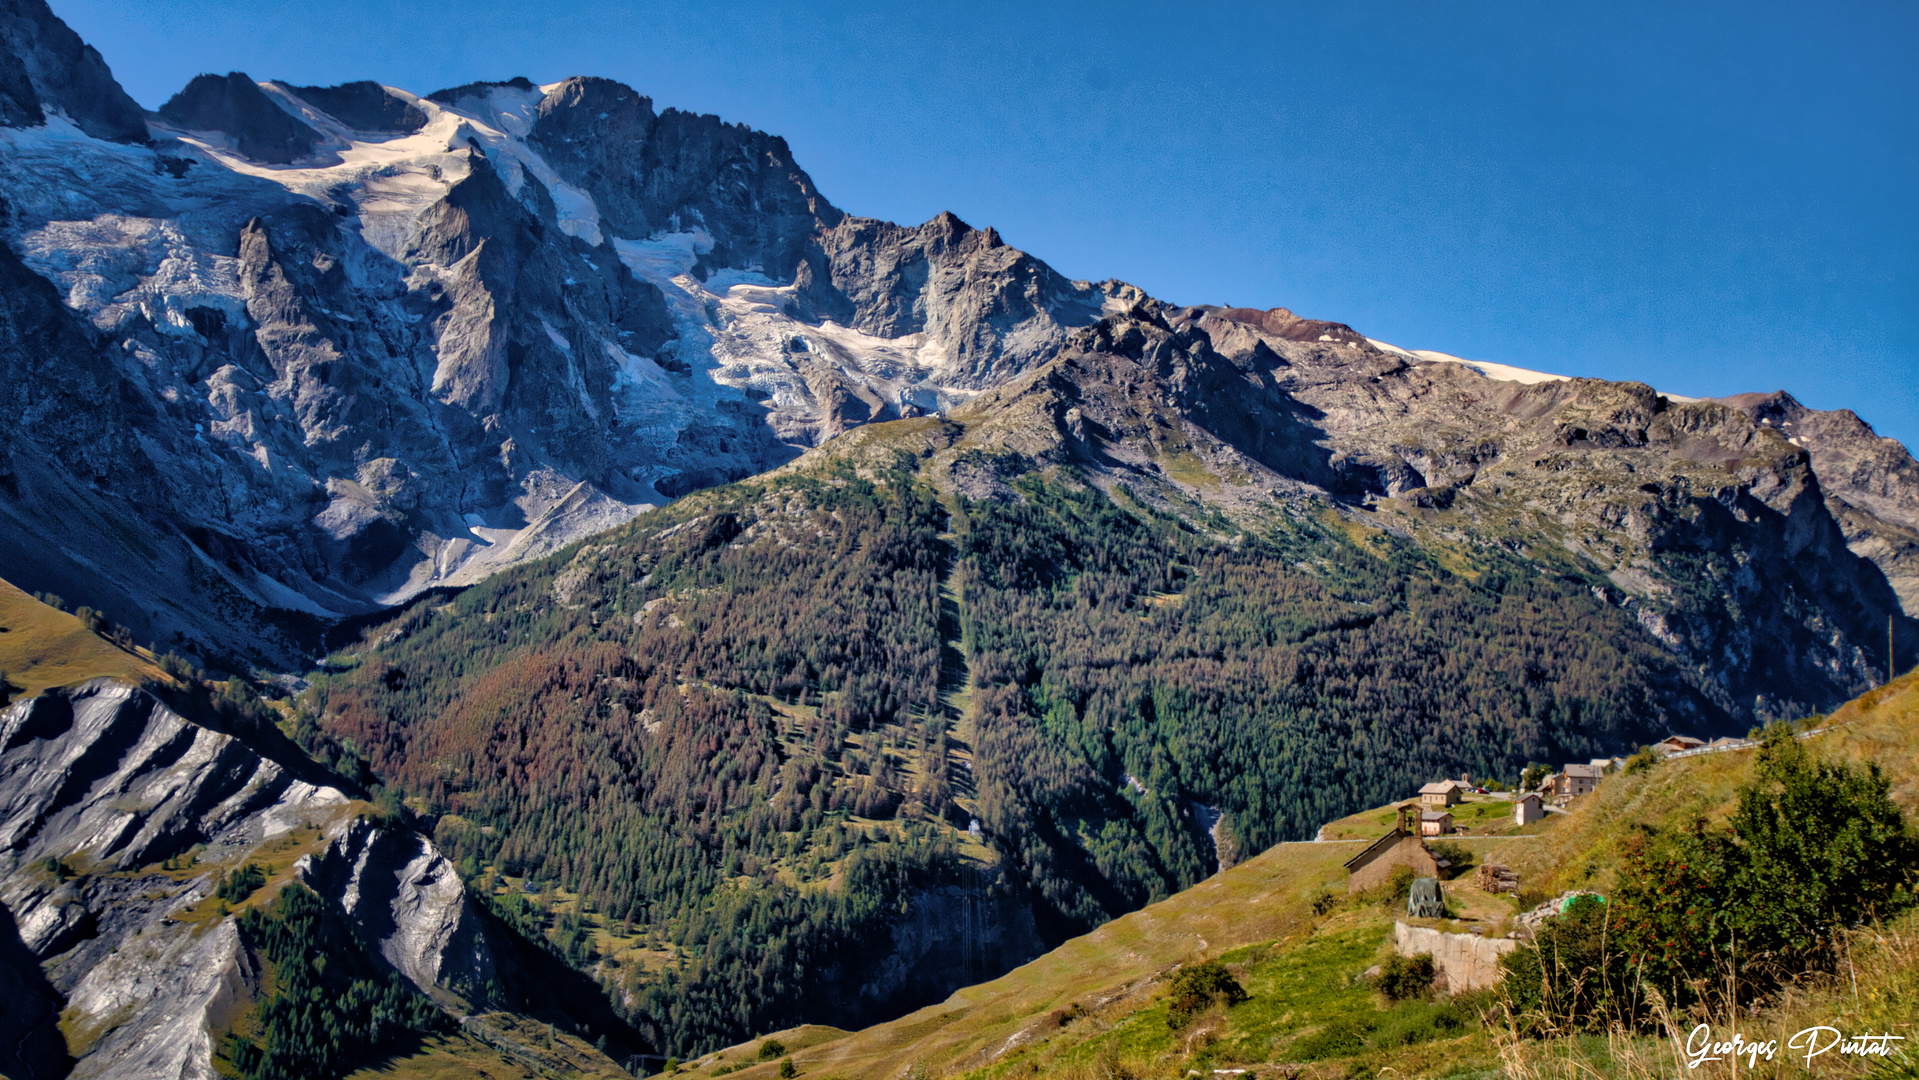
(42, 647)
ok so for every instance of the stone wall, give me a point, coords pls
(1465, 961)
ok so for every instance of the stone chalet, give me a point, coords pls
(1443, 793)
(1401, 847)
(1575, 781)
(1527, 809)
(1435, 823)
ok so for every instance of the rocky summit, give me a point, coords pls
(281, 356)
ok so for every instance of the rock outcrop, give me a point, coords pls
(46, 69)
(1870, 482)
(234, 106)
(103, 791)
(365, 106)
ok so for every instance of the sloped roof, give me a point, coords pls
(1385, 841)
(1587, 772)
(1439, 787)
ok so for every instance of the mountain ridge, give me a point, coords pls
(757, 603)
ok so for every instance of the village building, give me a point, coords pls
(1401, 847)
(1673, 744)
(1528, 809)
(1575, 781)
(1435, 823)
(1442, 793)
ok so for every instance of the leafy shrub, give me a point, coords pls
(1402, 977)
(787, 1071)
(1815, 847)
(1456, 854)
(1571, 975)
(1197, 987)
(771, 1049)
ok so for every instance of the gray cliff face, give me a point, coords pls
(402, 893)
(954, 935)
(676, 171)
(1871, 483)
(992, 310)
(99, 787)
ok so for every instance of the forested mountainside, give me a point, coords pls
(756, 728)
(742, 744)
(783, 615)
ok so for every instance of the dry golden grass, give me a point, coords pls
(42, 648)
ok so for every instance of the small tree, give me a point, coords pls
(771, 1049)
(1197, 987)
(1825, 848)
(1402, 977)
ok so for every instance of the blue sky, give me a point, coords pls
(1710, 197)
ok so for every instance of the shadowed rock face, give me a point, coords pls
(365, 106)
(677, 171)
(45, 66)
(1871, 483)
(237, 107)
